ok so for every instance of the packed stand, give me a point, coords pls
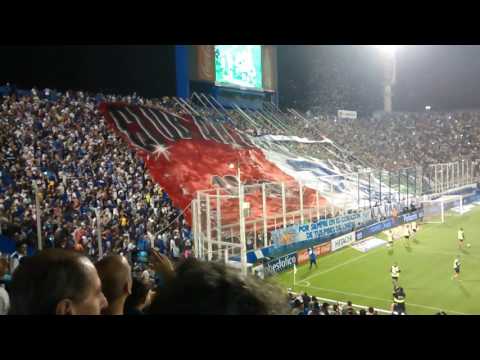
(62, 143)
(389, 141)
(401, 140)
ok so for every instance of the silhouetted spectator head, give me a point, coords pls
(325, 307)
(138, 299)
(56, 281)
(297, 304)
(213, 288)
(335, 308)
(116, 276)
(22, 248)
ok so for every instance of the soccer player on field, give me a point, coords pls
(390, 238)
(398, 306)
(313, 258)
(461, 238)
(395, 272)
(456, 267)
(406, 234)
(414, 231)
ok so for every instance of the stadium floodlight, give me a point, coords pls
(428, 107)
(388, 52)
(388, 49)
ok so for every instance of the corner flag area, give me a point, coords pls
(426, 271)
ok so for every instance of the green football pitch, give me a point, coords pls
(426, 271)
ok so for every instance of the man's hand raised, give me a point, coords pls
(162, 265)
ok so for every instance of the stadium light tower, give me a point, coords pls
(388, 53)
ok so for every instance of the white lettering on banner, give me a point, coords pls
(280, 264)
(320, 229)
(345, 114)
(342, 241)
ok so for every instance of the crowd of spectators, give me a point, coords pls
(65, 282)
(389, 141)
(397, 140)
(61, 142)
(303, 304)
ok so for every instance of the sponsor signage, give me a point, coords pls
(412, 217)
(342, 241)
(387, 224)
(374, 229)
(369, 244)
(281, 264)
(345, 114)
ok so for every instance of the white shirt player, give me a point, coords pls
(461, 235)
(395, 271)
(456, 264)
(390, 236)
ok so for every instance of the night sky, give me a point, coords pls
(445, 77)
(148, 70)
(330, 77)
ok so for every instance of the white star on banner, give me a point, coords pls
(161, 150)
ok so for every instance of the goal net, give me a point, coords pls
(436, 211)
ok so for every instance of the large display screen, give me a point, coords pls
(239, 65)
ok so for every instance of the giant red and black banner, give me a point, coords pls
(185, 154)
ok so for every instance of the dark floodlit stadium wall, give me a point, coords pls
(196, 73)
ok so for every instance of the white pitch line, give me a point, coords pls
(304, 281)
(336, 266)
(327, 257)
(386, 300)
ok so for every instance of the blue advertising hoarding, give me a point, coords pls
(281, 264)
(388, 224)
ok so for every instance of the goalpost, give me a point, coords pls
(435, 211)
